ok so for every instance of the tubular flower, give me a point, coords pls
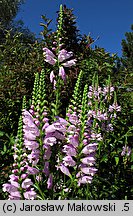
(62, 73)
(31, 132)
(49, 56)
(126, 151)
(50, 182)
(63, 55)
(69, 63)
(52, 76)
(19, 182)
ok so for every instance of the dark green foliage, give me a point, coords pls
(127, 48)
(8, 10)
(19, 61)
(20, 58)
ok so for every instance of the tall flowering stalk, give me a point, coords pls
(79, 151)
(41, 151)
(60, 59)
(20, 185)
(85, 131)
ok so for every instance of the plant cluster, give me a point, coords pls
(67, 150)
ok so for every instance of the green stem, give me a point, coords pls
(38, 187)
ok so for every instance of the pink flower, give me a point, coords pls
(69, 150)
(45, 120)
(55, 126)
(50, 59)
(30, 195)
(34, 156)
(69, 63)
(29, 136)
(62, 73)
(45, 126)
(14, 183)
(48, 52)
(74, 118)
(55, 84)
(68, 161)
(58, 135)
(30, 144)
(50, 141)
(126, 151)
(93, 171)
(27, 117)
(26, 183)
(47, 154)
(88, 160)
(49, 56)
(9, 188)
(95, 136)
(84, 180)
(50, 182)
(89, 148)
(62, 121)
(74, 140)
(89, 170)
(71, 128)
(15, 195)
(64, 55)
(32, 170)
(64, 169)
(14, 177)
(33, 130)
(46, 168)
(52, 76)
(114, 107)
(24, 175)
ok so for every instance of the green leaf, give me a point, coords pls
(117, 160)
(1, 133)
(104, 158)
(53, 105)
(5, 148)
(132, 157)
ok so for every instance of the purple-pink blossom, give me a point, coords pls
(31, 144)
(85, 179)
(126, 151)
(68, 161)
(50, 181)
(15, 195)
(64, 169)
(89, 160)
(69, 150)
(30, 194)
(32, 170)
(46, 168)
(52, 76)
(62, 73)
(26, 183)
(50, 141)
(9, 188)
(69, 63)
(64, 55)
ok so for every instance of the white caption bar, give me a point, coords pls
(68, 208)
